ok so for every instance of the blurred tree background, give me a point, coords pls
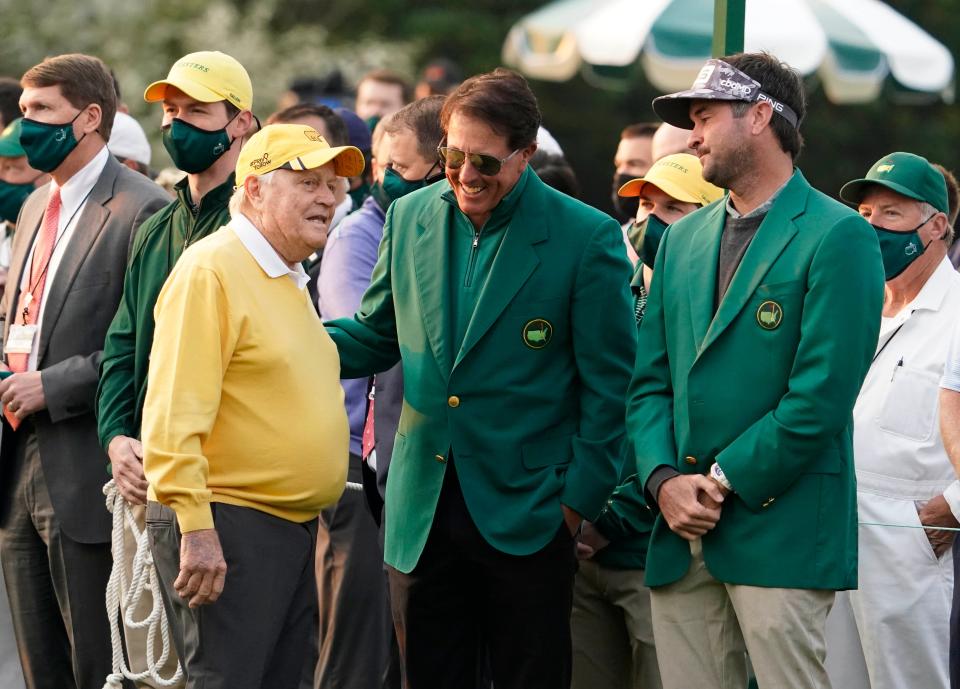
(278, 40)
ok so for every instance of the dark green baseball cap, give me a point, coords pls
(10, 140)
(905, 173)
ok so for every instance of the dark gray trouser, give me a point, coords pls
(255, 636)
(355, 624)
(55, 585)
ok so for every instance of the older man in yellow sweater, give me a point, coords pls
(244, 430)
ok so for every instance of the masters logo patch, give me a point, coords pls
(769, 315)
(537, 333)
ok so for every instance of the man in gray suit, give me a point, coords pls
(66, 274)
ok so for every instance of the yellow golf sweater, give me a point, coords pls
(244, 404)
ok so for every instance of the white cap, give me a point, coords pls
(547, 143)
(127, 140)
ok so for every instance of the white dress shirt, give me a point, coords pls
(73, 199)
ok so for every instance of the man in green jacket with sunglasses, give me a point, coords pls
(508, 305)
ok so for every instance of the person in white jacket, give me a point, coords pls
(893, 632)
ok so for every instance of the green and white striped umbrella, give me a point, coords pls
(854, 46)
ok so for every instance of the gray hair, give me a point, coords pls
(235, 206)
(927, 212)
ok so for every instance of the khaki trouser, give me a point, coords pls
(612, 632)
(136, 639)
(703, 627)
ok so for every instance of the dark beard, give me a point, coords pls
(735, 167)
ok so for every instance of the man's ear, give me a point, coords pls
(762, 113)
(527, 154)
(940, 230)
(253, 190)
(91, 119)
(241, 126)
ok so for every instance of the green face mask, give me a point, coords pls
(48, 145)
(645, 238)
(193, 149)
(360, 193)
(12, 197)
(899, 249)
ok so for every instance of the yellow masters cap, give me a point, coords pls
(679, 175)
(208, 76)
(294, 147)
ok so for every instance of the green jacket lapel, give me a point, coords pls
(432, 269)
(775, 232)
(702, 283)
(514, 263)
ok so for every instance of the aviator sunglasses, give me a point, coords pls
(487, 165)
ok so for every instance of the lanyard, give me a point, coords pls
(890, 339)
(31, 287)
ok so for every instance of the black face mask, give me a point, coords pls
(625, 206)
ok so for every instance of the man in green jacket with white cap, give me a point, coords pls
(759, 329)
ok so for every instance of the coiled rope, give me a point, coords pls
(142, 578)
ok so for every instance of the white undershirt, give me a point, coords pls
(73, 198)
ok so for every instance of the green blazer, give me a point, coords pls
(765, 387)
(531, 404)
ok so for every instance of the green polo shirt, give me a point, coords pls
(126, 352)
(472, 253)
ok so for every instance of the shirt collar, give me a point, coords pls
(214, 199)
(762, 209)
(264, 254)
(931, 295)
(75, 190)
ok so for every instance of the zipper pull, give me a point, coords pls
(476, 240)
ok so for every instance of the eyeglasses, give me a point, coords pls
(488, 165)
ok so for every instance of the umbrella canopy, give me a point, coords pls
(854, 46)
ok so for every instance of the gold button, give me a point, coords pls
(453, 401)
(690, 460)
(440, 458)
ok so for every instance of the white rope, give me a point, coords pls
(142, 578)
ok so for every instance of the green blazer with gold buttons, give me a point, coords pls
(531, 402)
(764, 386)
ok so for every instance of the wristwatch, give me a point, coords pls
(716, 473)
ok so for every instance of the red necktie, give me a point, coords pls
(28, 304)
(368, 441)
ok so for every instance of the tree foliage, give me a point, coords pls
(278, 40)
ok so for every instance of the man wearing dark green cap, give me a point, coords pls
(896, 626)
(17, 182)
